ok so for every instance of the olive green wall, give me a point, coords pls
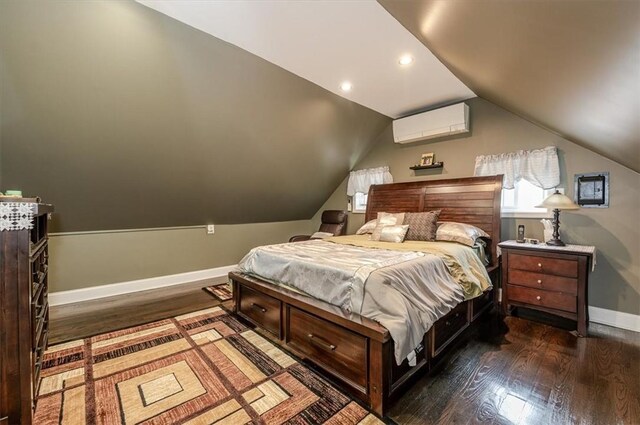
(615, 231)
(92, 259)
(125, 118)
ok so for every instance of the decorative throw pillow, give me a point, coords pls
(422, 225)
(367, 227)
(395, 233)
(385, 219)
(459, 232)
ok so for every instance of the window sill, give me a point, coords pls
(358, 212)
(525, 214)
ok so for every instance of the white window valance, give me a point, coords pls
(359, 181)
(539, 167)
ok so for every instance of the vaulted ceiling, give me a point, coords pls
(328, 42)
(570, 66)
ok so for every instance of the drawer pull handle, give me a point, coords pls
(447, 323)
(538, 298)
(539, 264)
(320, 343)
(539, 281)
(258, 307)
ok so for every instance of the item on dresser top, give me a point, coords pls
(548, 229)
(547, 278)
(520, 233)
(557, 202)
(14, 193)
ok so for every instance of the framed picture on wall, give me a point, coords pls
(427, 158)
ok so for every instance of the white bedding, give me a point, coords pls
(406, 291)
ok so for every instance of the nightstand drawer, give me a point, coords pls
(537, 297)
(546, 265)
(544, 281)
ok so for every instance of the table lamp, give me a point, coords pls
(557, 202)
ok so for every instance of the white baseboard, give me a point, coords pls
(614, 318)
(102, 291)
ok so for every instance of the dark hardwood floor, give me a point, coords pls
(80, 320)
(509, 371)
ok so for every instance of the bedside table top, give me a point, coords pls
(589, 250)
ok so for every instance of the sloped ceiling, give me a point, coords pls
(570, 66)
(125, 118)
(328, 42)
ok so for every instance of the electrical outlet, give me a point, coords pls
(210, 229)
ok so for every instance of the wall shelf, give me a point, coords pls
(427, 167)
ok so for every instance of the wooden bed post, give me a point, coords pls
(378, 376)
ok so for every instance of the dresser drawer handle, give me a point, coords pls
(540, 265)
(258, 307)
(538, 298)
(539, 281)
(320, 343)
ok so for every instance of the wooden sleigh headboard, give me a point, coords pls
(471, 200)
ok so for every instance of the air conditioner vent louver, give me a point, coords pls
(445, 121)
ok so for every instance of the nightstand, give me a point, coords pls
(547, 278)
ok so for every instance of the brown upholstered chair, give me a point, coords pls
(333, 221)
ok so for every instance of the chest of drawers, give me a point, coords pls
(547, 279)
(24, 306)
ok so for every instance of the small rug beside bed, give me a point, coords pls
(199, 368)
(221, 291)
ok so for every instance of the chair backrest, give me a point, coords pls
(334, 221)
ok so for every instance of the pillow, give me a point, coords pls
(367, 227)
(385, 216)
(459, 232)
(385, 219)
(321, 235)
(422, 225)
(394, 233)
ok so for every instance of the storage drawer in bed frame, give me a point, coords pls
(355, 352)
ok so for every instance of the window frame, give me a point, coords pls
(527, 213)
(354, 203)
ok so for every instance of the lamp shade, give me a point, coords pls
(558, 201)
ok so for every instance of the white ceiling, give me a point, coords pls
(328, 42)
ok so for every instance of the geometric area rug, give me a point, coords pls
(198, 368)
(221, 291)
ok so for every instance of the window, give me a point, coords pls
(360, 202)
(521, 201)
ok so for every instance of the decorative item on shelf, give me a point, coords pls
(427, 159)
(592, 190)
(557, 202)
(427, 167)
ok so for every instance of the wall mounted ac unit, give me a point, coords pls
(445, 121)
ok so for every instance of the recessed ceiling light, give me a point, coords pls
(346, 86)
(405, 60)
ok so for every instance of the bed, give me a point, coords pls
(357, 352)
